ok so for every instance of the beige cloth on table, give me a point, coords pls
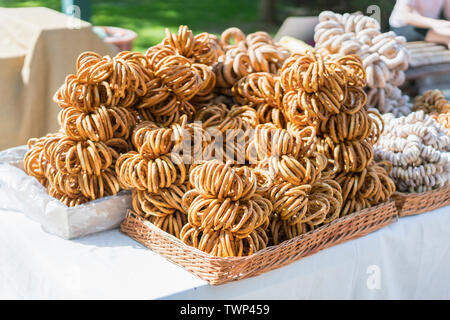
(38, 49)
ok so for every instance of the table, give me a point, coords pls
(427, 71)
(428, 68)
(409, 259)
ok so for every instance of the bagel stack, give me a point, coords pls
(302, 194)
(227, 216)
(262, 91)
(229, 138)
(299, 189)
(158, 170)
(76, 164)
(182, 76)
(326, 92)
(256, 52)
(384, 56)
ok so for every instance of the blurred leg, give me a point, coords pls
(409, 32)
(433, 36)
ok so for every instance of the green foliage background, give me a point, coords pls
(149, 18)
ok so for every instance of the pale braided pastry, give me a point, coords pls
(384, 56)
(418, 148)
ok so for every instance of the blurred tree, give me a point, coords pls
(80, 9)
(342, 6)
(267, 11)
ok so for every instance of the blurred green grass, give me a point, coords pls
(150, 18)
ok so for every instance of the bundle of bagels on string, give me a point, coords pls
(415, 140)
(229, 143)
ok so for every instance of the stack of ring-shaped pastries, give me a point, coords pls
(182, 75)
(158, 170)
(256, 52)
(227, 216)
(301, 194)
(230, 143)
(231, 133)
(262, 91)
(327, 93)
(77, 164)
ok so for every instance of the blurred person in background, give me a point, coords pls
(422, 20)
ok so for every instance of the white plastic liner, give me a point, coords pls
(23, 193)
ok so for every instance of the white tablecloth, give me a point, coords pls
(409, 259)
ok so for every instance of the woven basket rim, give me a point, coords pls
(167, 235)
(285, 243)
(410, 204)
(414, 194)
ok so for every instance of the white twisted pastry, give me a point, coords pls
(383, 54)
(418, 148)
(424, 183)
(389, 100)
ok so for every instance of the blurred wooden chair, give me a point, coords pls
(429, 67)
(298, 27)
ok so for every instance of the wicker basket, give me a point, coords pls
(218, 270)
(409, 204)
